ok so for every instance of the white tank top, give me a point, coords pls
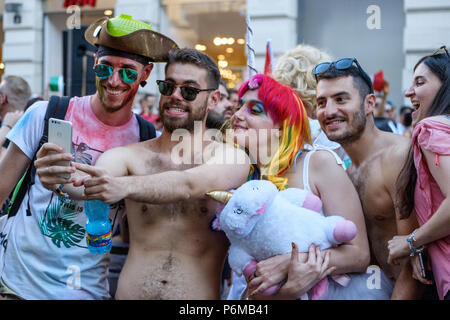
(306, 165)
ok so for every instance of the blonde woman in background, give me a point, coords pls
(295, 69)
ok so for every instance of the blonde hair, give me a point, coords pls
(295, 69)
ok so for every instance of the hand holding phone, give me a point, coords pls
(60, 133)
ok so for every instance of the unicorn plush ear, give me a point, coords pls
(221, 196)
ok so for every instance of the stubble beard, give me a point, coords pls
(170, 125)
(355, 131)
(129, 98)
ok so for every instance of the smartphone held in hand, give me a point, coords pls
(60, 133)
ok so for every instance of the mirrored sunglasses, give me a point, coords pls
(104, 71)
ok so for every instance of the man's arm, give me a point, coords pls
(2, 152)
(405, 288)
(169, 186)
(12, 167)
(3, 131)
(9, 121)
(112, 162)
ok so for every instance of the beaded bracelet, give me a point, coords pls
(60, 192)
(411, 240)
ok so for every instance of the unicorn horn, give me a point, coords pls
(221, 196)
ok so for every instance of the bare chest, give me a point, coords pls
(153, 163)
(200, 210)
(178, 216)
(375, 198)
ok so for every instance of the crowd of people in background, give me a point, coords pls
(384, 167)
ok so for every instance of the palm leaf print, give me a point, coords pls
(61, 229)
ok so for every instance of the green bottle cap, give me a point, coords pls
(125, 24)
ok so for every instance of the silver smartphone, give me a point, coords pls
(60, 133)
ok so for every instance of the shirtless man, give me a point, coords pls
(345, 104)
(173, 252)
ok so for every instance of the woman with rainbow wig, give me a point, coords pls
(272, 124)
(276, 107)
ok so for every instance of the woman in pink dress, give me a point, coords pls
(424, 183)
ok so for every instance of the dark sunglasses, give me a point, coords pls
(104, 71)
(441, 50)
(343, 64)
(188, 93)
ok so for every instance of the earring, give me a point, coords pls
(143, 83)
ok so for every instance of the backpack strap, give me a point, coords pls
(146, 129)
(19, 193)
(56, 108)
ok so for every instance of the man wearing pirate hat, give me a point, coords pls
(173, 253)
(44, 254)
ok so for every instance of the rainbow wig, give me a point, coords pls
(282, 105)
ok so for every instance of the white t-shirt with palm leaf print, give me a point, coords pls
(44, 255)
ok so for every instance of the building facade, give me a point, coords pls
(388, 35)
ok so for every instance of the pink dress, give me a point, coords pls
(434, 137)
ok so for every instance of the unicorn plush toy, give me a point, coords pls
(261, 222)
